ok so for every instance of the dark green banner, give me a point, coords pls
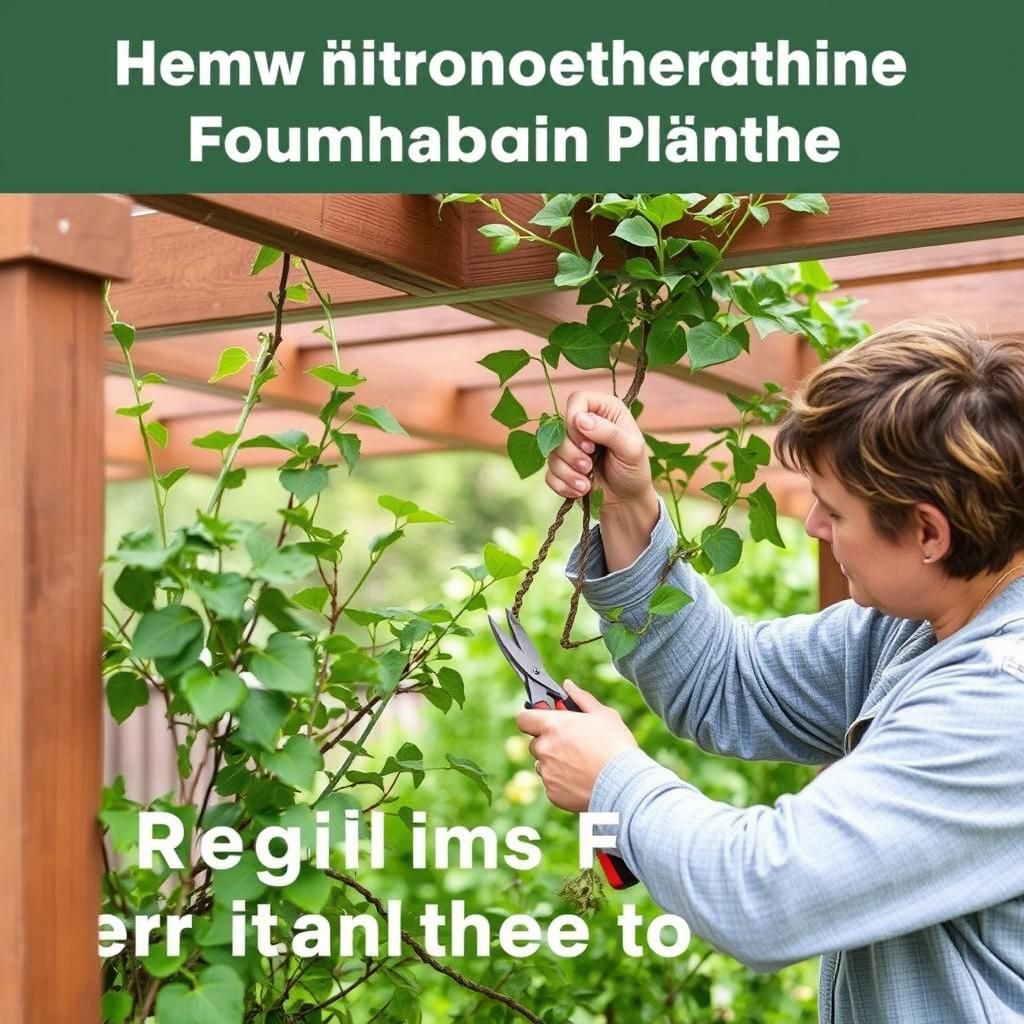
(530, 96)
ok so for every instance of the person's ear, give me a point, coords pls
(931, 532)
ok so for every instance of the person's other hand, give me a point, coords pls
(572, 748)
(593, 418)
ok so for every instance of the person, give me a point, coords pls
(902, 862)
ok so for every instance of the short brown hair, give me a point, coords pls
(923, 411)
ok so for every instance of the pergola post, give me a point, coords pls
(54, 253)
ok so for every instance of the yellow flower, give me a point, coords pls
(522, 788)
(517, 749)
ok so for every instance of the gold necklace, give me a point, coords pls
(991, 590)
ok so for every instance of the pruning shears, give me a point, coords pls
(544, 693)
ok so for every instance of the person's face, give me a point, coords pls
(881, 573)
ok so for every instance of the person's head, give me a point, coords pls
(913, 441)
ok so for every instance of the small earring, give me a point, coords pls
(927, 558)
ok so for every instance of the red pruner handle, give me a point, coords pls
(616, 871)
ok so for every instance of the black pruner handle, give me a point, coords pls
(615, 869)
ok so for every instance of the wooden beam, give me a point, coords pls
(190, 276)
(51, 546)
(931, 262)
(992, 302)
(399, 242)
(857, 223)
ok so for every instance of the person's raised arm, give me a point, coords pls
(630, 508)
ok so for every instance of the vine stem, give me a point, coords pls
(267, 352)
(147, 447)
(332, 783)
(421, 952)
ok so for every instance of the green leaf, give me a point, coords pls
(242, 881)
(508, 412)
(134, 411)
(266, 257)
(125, 692)
(135, 588)
(296, 293)
(223, 594)
(471, 770)
(285, 440)
(310, 891)
(313, 598)
(349, 446)
(304, 483)
(159, 964)
(556, 212)
(662, 210)
(399, 507)
(814, 274)
(636, 231)
(744, 466)
(217, 998)
(581, 346)
(763, 517)
(232, 360)
(708, 345)
(723, 548)
(165, 632)
(377, 417)
(296, 763)
(451, 682)
(286, 665)
(152, 378)
(504, 238)
(260, 717)
(286, 564)
(574, 271)
(719, 490)
(620, 640)
(506, 363)
(123, 825)
(760, 213)
(157, 433)
(455, 197)
(524, 452)
(550, 435)
(667, 600)
(666, 343)
(642, 269)
(115, 1006)
(500, 564)
(211, 696)
(124, 334)
(335, 377)
(806, 202)
(382, 541)
(171, 477)
(216, 440)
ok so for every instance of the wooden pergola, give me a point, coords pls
(417, 300)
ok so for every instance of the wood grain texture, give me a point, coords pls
(78, 232)
(51, 535)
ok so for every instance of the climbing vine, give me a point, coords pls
(270, 675)
(653, 292)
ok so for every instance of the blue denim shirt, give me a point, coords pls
(902, 863)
